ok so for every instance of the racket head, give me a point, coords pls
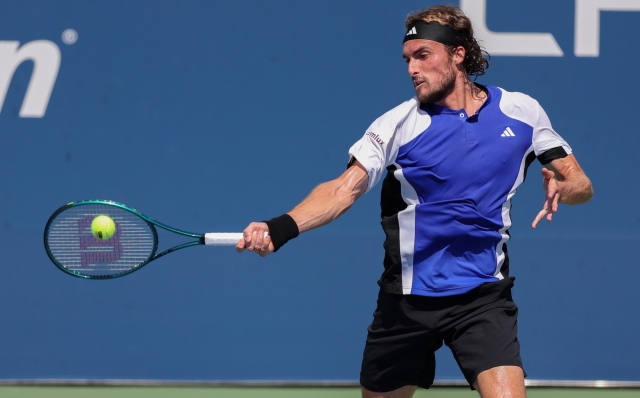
(74, 249)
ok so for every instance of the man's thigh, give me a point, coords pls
(486, 338)
(400, 347)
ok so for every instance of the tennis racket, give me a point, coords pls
(72, 246)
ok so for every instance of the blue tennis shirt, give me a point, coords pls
(446, 198)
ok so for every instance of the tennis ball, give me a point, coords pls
(103, 227)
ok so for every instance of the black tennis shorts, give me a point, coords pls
(479, 327)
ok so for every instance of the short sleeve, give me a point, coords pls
(372, 150)
(545, 138)
(378, 148)
(547, 144)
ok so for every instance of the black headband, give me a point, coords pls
(432, 31)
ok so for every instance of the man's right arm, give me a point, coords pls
(323, 205)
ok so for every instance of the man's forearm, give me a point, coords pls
(576, 190)
(323, 205)
(573, 184)
(329, 200)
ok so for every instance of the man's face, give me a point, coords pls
(431, 68)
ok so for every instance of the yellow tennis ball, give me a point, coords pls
(103, 227)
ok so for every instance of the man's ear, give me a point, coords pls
(458, 55)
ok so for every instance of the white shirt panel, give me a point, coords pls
(527, 110)
(378, 148)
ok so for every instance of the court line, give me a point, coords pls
(291, 383)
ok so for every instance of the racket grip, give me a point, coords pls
(222, 238)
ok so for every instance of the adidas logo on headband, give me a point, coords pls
(432, 31)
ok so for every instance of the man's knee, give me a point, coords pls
(501, 382)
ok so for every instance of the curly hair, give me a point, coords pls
(477, 59)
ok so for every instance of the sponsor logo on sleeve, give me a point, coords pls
(376, 138)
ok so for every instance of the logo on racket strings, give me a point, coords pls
(96, 251)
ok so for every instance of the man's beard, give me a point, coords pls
(446, 86)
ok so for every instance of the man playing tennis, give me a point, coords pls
(454, 155)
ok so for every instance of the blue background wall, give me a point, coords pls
(209, 115)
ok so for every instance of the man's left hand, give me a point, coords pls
(551, 199)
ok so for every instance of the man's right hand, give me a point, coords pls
(256, 239)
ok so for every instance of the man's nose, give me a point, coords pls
(412, 67)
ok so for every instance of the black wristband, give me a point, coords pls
(282, 229)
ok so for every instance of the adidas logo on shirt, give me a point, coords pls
(412, 32)
(508, 133)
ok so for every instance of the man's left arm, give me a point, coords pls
(563, 182)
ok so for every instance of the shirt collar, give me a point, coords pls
(434, 109)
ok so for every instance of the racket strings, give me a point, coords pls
(74, 247)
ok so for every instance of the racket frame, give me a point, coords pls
(151, 222)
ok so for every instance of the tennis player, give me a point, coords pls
(454, 156)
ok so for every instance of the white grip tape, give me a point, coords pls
(222, 238)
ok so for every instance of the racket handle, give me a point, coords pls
(222, 238)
